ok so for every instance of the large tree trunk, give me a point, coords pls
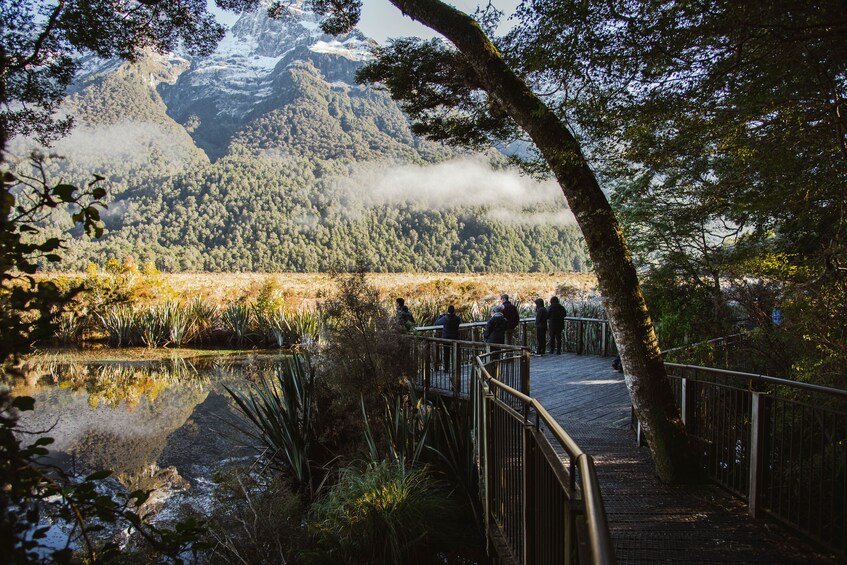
(633, 330)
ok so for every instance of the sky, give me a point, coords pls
(381, 20)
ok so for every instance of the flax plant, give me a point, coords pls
(385, 513)
(69, 328)
(236, 319)
(279, 412)
(406, 424)
(180, 323)
(153, 325)
(120, 324)
(206, 317)
(305, 326)
(273, 324)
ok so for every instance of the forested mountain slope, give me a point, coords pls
(267, 155)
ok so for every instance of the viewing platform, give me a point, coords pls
(651, 522)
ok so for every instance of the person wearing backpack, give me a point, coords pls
(556, 324)
(513, 318)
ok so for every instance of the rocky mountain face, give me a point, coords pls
(253, 93)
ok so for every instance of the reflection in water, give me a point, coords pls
(153, 423)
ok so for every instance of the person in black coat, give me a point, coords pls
(541, 316)
(556, 324)
(513, 317)
(450, 330)
(495, 328)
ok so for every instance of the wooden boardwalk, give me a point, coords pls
(651, 522)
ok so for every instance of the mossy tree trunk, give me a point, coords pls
(631, 324)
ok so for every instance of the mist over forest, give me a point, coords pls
(257, 160)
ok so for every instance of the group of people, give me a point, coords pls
(500, 328)
(550, 318)
(505, 318)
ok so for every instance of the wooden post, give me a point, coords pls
(758, 421)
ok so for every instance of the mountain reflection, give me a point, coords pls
(140, 419)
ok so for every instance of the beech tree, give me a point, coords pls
(464, 94)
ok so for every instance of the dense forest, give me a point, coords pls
(319, 172)
(258, 214)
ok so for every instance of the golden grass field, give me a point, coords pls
(310, 287)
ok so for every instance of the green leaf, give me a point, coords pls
(98, 193)
(140, 496)
(51, 244)
(65, 192)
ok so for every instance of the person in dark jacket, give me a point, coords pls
(450, 330)
(495, 329)
(451, 322)
(404, 317)
(541, 325)
(555, 324)
(513, 318)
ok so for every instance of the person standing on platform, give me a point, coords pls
(541, 325)
(556, 324)
(513, 318)
(404, 318)
(495, 328)
(450, 330)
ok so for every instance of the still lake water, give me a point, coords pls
(165, 424)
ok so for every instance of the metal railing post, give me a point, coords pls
(579, 337)
(686, 401)
(528, 488)
(457, 370)
(524, 377)
(603, 338)
(757, 442)
(485, 476)
(427, 365)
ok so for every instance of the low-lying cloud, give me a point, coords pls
(509, 196)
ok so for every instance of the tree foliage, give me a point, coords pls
(722, 124)
(38, 40)
(29, 307)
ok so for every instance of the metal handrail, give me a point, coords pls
(597, 526)
(780, 452)
(764, 379)
(523, 320)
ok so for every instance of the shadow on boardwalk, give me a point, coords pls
(651, 522)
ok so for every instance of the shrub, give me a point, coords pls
(254, 520)
(384, 513)
(365, 352)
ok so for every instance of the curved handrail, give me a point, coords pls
(597, 526)
(764, 379)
